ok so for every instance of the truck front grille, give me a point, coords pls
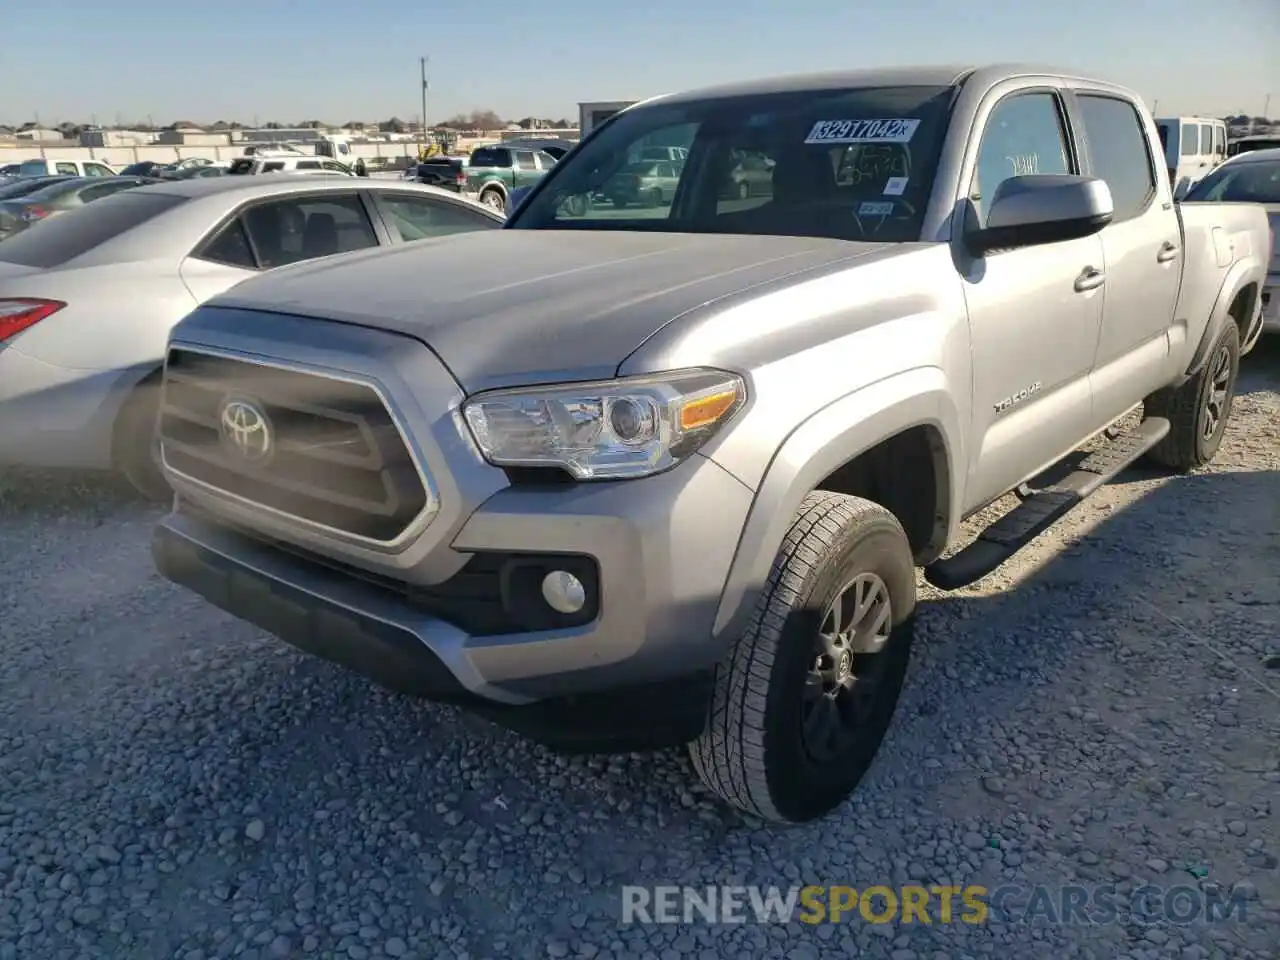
(318, 449)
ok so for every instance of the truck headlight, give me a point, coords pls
(609, 430)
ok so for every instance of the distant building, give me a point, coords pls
(192, 137)
(116, 138)
(39, 134)
(595, 112)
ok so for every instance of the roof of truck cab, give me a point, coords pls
(919, 76)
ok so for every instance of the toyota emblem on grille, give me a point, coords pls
(245, 430)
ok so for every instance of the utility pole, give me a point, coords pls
(1266, 107)
(1155, 109)
(422, 64)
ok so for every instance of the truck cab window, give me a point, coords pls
(1118, 152)
(1024, 135)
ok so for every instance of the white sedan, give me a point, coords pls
(87, 299)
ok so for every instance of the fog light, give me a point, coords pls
(563, 592)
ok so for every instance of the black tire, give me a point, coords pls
(620, 203)
(655, 198)
(753, 752)
(494, 199)
(1199, 409)
(136, 451)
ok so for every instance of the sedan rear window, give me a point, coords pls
(61, 239)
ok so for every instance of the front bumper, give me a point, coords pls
(662, 547)
(659, 548)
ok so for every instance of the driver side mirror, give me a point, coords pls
(1182, 189)
(1042, 208)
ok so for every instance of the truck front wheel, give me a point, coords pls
(804, 697)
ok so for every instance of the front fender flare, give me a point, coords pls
(820, 445)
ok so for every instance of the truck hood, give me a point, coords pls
(511, 307)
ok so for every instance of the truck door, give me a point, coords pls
(526, 169)
(1141, 248)
(1034, 311)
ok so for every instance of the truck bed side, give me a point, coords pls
(1225, 251)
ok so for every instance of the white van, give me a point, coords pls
(1192, 146)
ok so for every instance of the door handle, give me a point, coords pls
(1091, 278)
(1167, 252)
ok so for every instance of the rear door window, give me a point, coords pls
(1190, 140)
(1118, 152)
(1206, 139)
(242, 166)
(304, 228)
(68, 168)
(61, 239)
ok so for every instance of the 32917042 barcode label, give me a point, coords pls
(862, 131)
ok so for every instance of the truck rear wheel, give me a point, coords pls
(1198, 410)
(493, 198)
(804, 697)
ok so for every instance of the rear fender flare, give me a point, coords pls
(1240, 275)
(820, 445)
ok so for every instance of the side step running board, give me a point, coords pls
(1044, 507)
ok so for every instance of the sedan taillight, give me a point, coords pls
(32, 214)
(19, 313)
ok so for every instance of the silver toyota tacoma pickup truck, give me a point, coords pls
(668, 476)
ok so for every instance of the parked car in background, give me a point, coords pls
(61, 197)
(87, 300)
(73, 168)
(1251, 177)
(22, 186)
(671, 478)
(197, 172)
(649, 183)
(493, 172)
(181, 166)
(1260, 141)
(143, 168)
(10, 169)
(284, 163)
(447, 173)
(751, 176)
(1192, 146)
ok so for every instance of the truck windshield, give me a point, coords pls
(853, 164)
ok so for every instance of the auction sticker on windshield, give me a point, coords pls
(862, 131)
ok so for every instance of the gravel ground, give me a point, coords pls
(175, 784)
